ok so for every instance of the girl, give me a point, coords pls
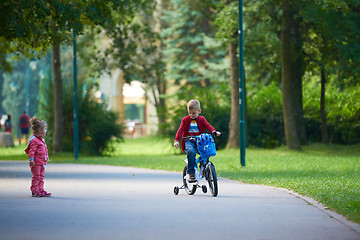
(38, 157)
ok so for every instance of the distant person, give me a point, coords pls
(8, 124)
(24, 124)
(38, 157)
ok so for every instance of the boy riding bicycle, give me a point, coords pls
(192, 125)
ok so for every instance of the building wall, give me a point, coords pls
(114, 90)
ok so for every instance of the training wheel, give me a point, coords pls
(176, 190)
(204, 189)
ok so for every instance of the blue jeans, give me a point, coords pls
(191, 150)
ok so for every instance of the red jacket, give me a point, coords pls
(37, 150)
(183, 130)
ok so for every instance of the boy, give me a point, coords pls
(192, 125)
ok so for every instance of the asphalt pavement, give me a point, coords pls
(107, 202)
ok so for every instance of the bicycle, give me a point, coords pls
(206, 148)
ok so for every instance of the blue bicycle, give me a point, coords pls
(204, 168)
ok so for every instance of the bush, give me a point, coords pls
(265, 118)
(342, 109)
(98, 127)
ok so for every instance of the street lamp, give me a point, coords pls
(242, 87)
(76, 125)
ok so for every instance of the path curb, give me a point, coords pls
(332, 214)
(350, 224)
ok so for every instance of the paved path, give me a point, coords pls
(105, 202)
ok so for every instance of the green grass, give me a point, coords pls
(328, 174)
(13, 153)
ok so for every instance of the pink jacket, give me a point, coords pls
(37, 150)
(183, 130)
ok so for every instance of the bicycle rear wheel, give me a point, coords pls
(212, 179)
(189, 188)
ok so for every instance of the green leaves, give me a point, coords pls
(227, 20)
(35, 25)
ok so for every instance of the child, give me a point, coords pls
(38, 157)
(192, 125)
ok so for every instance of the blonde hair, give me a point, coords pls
(193, 105)
(37, 125)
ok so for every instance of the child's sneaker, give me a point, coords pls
(192, 177)
(37, 194)
(46, 194)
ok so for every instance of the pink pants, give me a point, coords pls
(37, 183)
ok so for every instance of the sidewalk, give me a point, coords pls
(106, 202)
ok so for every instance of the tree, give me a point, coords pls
(33, 26)
(292, 71)
(228, 29)
(234, 139)
(187, 22)
(136, 48)
(328, 32)
(58, 96)
(197, 62)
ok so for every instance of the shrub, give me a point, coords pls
(265, 118)
(342, 106)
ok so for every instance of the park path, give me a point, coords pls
(107, 202)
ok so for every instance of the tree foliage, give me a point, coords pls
(320, 24)
(136, 48)
(189, 54)
(29, 24)
(187, 25)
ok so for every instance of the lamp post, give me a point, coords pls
(242, 87)
(76, 125)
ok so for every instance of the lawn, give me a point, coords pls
(327, 173)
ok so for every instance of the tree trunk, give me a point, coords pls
(160, 90)
(291, 48)
(324, 131)
(160, 103)
(233, 140)
(58, 111)
(299, 111)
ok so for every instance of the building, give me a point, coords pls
(131, 102)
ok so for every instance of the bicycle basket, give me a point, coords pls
(206, 145)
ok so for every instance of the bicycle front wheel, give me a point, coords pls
(189, 188)
(212, 179)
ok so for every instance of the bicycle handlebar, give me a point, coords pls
(213, 134)
(189, 138)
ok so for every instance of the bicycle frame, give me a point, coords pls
(199, 172)
(207, 168)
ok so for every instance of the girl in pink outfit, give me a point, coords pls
(38, 157)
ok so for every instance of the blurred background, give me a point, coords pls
(139, 62)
